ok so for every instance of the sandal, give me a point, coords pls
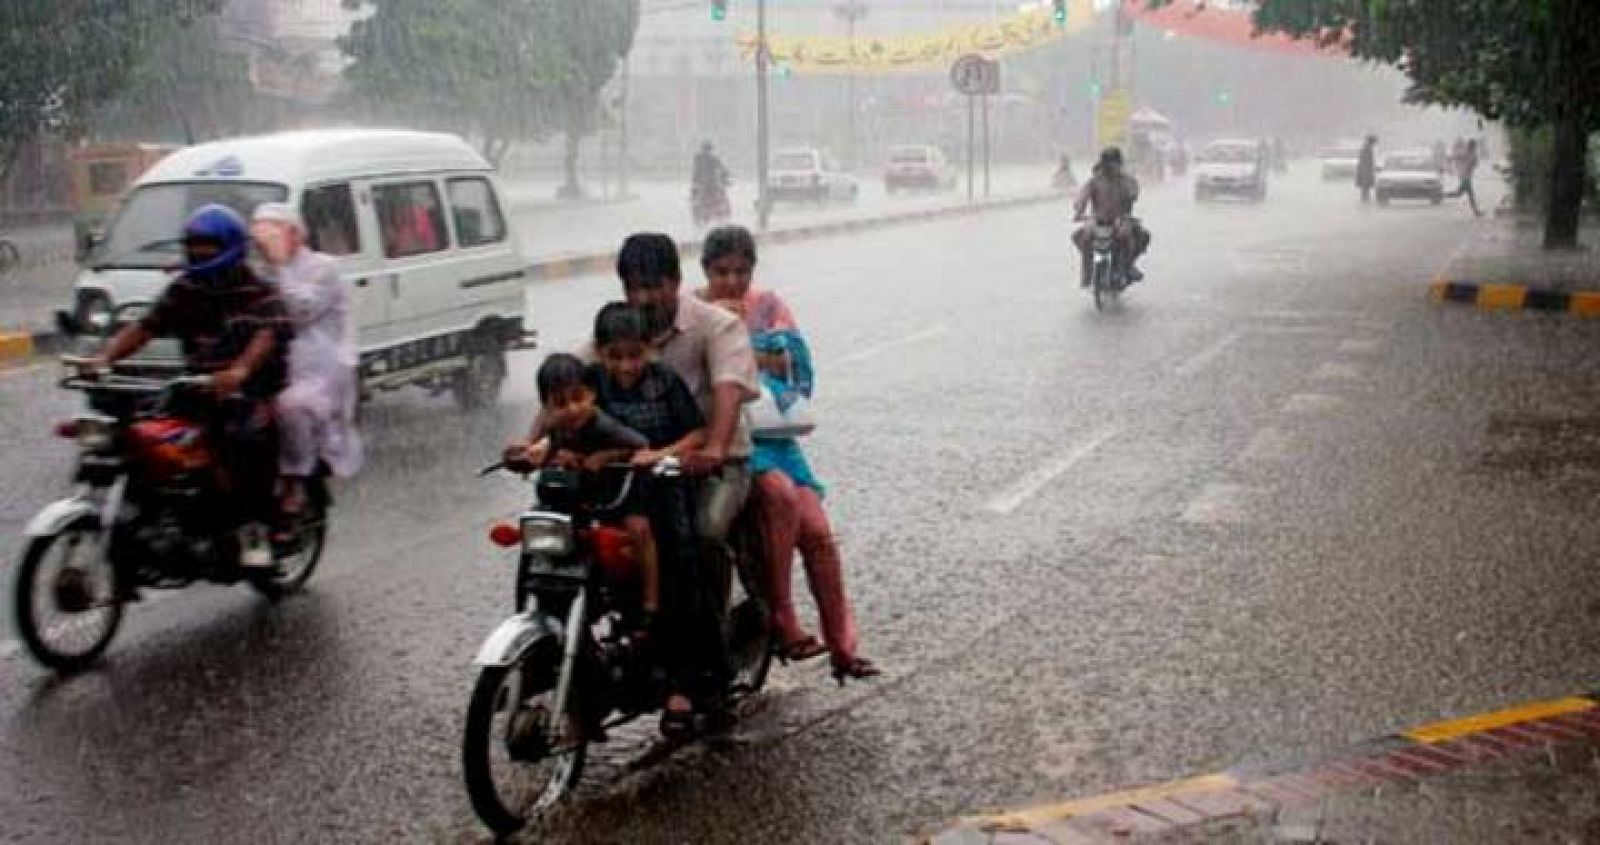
(795, 651)
(855, 668)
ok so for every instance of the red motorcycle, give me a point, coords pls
(148, 514)
(566, 658)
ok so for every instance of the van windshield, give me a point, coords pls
(147, 230)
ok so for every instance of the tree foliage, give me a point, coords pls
(497, 70)
(63, 58)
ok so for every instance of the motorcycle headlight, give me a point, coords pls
(94, 433)
(547, 534)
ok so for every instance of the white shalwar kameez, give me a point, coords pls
(316, 412)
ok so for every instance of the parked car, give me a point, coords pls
(1232, 167)
(806, 173)
(1410, 174)
(414, 220)
(1339, 162)
(918, 166)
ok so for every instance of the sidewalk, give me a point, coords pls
(1504, 266)
(1528, 774)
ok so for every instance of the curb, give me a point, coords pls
(15, 347)
(1516, 298)
(572, 266)
(1223, 802)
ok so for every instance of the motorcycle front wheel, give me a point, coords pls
(65, 599)
(515, 774)
(1102, 284)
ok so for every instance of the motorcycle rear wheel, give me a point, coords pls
(68, 591)
(296, 568)
(504, 728)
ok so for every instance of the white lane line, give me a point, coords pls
(1311, 403)
(1360, 346)
(1219, 504)
(1270, 445)
(1337, 371)
(879, 349)
(10, 649)
(1034, 481)
(1204, 357)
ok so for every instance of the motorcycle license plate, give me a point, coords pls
(543, 566)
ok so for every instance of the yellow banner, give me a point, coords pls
(921, 51)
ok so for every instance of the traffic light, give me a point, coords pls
(1224, 97)
(1094, 90)
(1060, 12)
(719, 10)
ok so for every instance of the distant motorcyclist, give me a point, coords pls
(1111, 194)
(234, 327)
(708, 185)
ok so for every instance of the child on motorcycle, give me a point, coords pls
(574, 434)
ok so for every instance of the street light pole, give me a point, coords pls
(763, 135)
(851, 11)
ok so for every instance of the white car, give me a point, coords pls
(1235, 168)
(918, 167)
(1339, 162)
(806, 173)
(1412, 174)
(414, 219)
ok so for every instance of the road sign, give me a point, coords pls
(975, 76)
(1115, 110)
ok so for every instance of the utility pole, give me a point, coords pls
(763, 130)
(851, 11)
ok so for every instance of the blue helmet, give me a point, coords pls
(223, 226)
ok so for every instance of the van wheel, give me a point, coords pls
(478, 384)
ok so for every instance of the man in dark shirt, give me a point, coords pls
(233, 327)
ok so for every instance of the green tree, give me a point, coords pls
(63, 58)
(485, 68)
(593, 36)
(497, 70)
(1531, 63)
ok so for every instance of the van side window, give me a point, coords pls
(411, 218)
(330, 216)
(476, 211)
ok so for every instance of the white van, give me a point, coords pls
(414, 219)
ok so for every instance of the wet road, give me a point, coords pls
(1274, 503)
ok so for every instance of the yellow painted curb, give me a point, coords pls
(1457, 728)
(1584, 304)
(1502, 296)
(1036, 816)
(15, 346)
(1437, 291)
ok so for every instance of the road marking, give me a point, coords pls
(1025, 819)
(1201, 359)
(1031, 483)
(10, 649)
(1218, 504)
(1455, 728)
(1270, 445)
(1311, 403)
(1337, 371)
(879, 349)
(1360, 346)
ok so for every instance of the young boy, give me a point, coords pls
(573, 433)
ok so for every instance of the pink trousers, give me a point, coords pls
(791, 518)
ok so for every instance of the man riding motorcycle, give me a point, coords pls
(233, 327)
(1111, 193)
(708, 186)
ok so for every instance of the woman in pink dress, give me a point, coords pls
(787, 494)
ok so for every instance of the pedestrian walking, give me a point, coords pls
(1466, 165)
(1367, 168)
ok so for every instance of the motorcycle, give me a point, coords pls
(709, 203)
(148, 513)
(1108, 272)
(566, 659)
